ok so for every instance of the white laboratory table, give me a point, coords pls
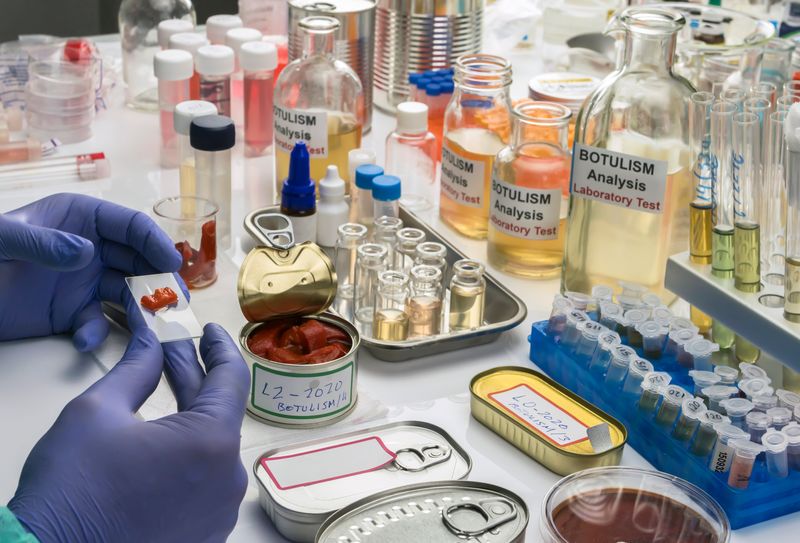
(38, 376)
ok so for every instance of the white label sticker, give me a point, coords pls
(328, 463)
(541, 415)
(523, 212)
(616, 178)
(292, 125)
(306, 396)
(462, 178)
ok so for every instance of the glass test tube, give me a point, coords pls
(716, 394)
(350, 236)
(744, 457)
(634, 317)
(406, 250)
(569, 339)
(425, 302)
(703, 379)
(706, 436)
(621, 357)
(258, 61)
(558, 315)
(737, 409)
(587, 342)
(689, 420)
(792, 432)
(386, 229)
(779, 416)
(638, 368)
(773, 204)
(609, 313)
(467, 295)
(173, 69)
(215, 64)
(190, 42)
(370, 262)
(601, 357)
(783, 103)
(653, 386)
(791, 295)
(765, 90)
(764, 402)
(390, 322)
(184, 114)
(699, 352)
(671, 400)
(757, 423)
(653, 337)
(212, 137)
(722, 455)
(776, 444)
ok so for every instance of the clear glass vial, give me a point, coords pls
(529, 190)
(391, 320)
(433, 254)
(406, 251)
(351, 235)
(640, 111)
(467, 295)
(386, 229)
(318, 99)
(476, 126)
(425, 302)
(370, 262)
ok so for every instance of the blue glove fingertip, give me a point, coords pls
(71, 252)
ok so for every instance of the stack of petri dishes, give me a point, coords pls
(60, 100)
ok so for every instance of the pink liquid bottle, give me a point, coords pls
(173, 69)
(215, 64)
(235, 38)
(258, 61)
(190, 42)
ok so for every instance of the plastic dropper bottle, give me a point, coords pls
(332, 211)
(386, 196)
(363, 206)
(184, 114)
(259, 60)
(411, 152)
(173, 69)
(191, 43)
(215, 65)
(298, 196)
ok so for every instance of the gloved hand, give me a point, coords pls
(62, 255)
(101, 474)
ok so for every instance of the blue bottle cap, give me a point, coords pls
(433, 89)
(298, 189)
(439, 79)
(448, 88)
(386, 188)
(444, 72)
(422, 81)
(365, 174)
(413, 78)
(429, 73)
(212, 133)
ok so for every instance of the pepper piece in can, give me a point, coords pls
(299, 341)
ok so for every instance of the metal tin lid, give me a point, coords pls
(281, 279)
(333, 6)
(443, 511)
(567, 88)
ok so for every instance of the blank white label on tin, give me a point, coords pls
(311, 127)
(628, 181)
(328, 463)
(172, 323)
(541, 415)
(523, 212)
(462, 178)
(302, 396)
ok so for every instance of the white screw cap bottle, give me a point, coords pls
(332, 210)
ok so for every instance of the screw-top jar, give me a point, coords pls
(530, 186)
(476, 126)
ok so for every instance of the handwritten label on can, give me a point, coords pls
(541, 415)
(302, 396)
(523, 212)
(462, 178)
(619, 179)
(292, 125)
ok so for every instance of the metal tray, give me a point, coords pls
(504, 310)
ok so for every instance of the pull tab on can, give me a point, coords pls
(429, 455)
(493, 513)
(270, 229)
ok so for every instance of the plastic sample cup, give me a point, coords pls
(638, 368)
(703, 379)
(706, 435)
(569, 339)
(779, 417)
(722, 454)
(653, 387)
(792, 432)
(763, 403)
(699, 352)
(737, 409)
(744, 457)
(587, 342)
(757, 424)
(191, 223)
(689, 420)
(776, 444)
(601, 357)
(716, 394)
(671, 401)
(756, 386)
(633, 318)
(610, 313)
(653, 336)
(173, 68)
(621, 357)
(728, 375)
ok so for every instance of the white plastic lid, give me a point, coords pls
(258, 56)
(169, 28)
(736, 407)
(792, 431)
(780, 415)
(729, 375)
(187, 41)
(704, 378)
(718, 392)
(756, 386)
(217, 27)
(745, 448)
(356, 158)
(173, 65)
(602, 292)
(578, 299)
(751, 370)
(775, 441)
(567, 88)
(788, 398)
(186, 112)
(757, 419)
(215, 60)
(412, 117)
(236, 37)
(331, 186)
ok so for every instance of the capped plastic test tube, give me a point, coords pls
(689, 420)
(703, 379)
(776, 444)
(610, 315)
(190, 42)
(744, 457)
(634, 290)
(587, 342)
(671, 400)
(757, 424)
(751, 371)
(184, 114)
(737, 409)
(764, 402)
(173, 68)
(756, 386)
(558, 315)
(215, 64)
(716, 394)
(601, 357)
(787, 398)
(682, 323)
(706, 436)
(792, 432)
(653, 336)
(579, 299)
(630, 302)
(602, 293)
(169, 27)
(621, 357)
(653, 386)
(723, 453)
(699, 352)
(779, 417)
(662, 315)
(258, 61)
(728, 375)
(633, 318)
(362, 208)
(569, 339)
(637, 369)
(677, 339)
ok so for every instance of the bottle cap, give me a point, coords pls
(365, 175)
(764, 402)
(792, 431)
(236, 37)
(448, 87)
(737, 407)
(386, 188)
(169, 28)
(433, 89)
(412, 117)
(298, 188)
(212, 133)
(215, 60)
(258, 56)
(430, 73)
(331, 186)
(780, 415)
(173, 65)
(775, 441)
(729, 375)
(413, 78)
(187, 111)
(356, 158)
(422, 81)
(187, 41)
(218, 25)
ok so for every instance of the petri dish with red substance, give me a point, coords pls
(191, 223)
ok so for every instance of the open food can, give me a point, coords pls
(303, 360)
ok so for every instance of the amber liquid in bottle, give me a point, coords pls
(466, 308)
(425, 316)
(390, 325)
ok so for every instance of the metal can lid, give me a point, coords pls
(568, 88)
(440, 511)
(339, 6)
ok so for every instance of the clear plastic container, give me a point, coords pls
(60, 79)
(411, 155)
(604, 505)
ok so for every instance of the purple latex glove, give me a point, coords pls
(62, 255)
(101, 474)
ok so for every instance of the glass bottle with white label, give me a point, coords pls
(530, 185)
(477, 124)
(320, 100)
(631, 170)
